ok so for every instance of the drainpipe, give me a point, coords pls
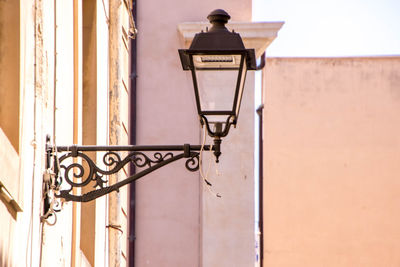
(260, 170)
(260, 183)
(132, 141)
(115, 126)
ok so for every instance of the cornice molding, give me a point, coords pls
(257, 35)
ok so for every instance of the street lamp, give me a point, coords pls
(214, 56)
(218, 62)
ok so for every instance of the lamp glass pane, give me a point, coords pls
(241, 87)
(216, 89)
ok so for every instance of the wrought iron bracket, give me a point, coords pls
(72, 165)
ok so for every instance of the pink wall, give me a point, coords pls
(332, 162)
(168, 226)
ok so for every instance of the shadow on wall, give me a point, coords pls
(10, 209)
(4, 260)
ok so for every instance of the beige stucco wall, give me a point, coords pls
(20, 232)
(51, 86)
(331, 162)
(46, 89)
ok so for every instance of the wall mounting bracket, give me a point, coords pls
(73, 165)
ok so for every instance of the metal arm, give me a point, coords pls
(78, 170)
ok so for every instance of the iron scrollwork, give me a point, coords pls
(78, 170)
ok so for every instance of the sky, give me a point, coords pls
(328, 28)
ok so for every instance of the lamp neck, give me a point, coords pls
(218, 26)
(217, 148)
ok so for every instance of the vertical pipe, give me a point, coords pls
(260, 168)
(260, 183)
(132, 139)
(115, 86)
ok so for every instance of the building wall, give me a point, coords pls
(331, 161)
(56, 83)
(178, 222)
(59, 87)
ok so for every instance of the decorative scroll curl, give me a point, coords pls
(192, 163)
(78, 170)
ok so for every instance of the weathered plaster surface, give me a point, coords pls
(332, 151)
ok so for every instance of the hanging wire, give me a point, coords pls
(205, 177)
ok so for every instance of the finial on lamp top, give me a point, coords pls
(218, 18)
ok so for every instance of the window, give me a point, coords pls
(10, 101)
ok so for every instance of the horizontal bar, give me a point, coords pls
(130, 148)
(215, 112)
